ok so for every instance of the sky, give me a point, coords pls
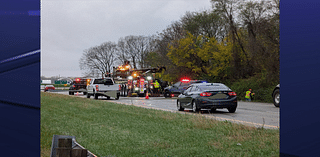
(68, 27)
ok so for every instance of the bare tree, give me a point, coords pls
(261, 20)
(126, 46)
(98, 59)
(122, 55)
(135, 49)
(229, 10)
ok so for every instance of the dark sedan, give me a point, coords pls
(209, 96)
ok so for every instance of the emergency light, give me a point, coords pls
(185, 80)
(135, 74)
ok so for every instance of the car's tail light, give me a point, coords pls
(205, 94)
(73, 86)
(232, 94)
(97, 88)
(119, 87)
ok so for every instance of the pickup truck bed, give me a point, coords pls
(103, 87)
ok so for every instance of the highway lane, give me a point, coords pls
(249, 113)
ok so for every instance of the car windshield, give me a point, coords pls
(215, 87)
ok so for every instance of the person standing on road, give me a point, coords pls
(249, 95)
(156, 87)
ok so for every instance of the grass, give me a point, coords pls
(108, 129)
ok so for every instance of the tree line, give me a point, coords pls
(235, 39)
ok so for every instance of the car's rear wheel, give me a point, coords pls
(179, 107)
(84, 93)
(88, 95)
(195, 107)
(276, 98)
(232, 109)
(167, 94)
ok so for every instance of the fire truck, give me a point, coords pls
(136, 82)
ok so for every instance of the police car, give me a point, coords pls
(179, 87)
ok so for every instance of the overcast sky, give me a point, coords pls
(70, 26)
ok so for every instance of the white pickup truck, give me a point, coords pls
(103, 87)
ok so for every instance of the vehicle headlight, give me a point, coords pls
(136, 88)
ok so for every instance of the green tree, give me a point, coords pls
(207, 59)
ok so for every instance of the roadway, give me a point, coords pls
(248, 113)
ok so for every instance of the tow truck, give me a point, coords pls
(135, 81)
(79, 85)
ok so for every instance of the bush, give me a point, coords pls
(259, 86)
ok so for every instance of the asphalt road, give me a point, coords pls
(249, 113)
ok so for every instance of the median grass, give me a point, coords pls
(109, 129)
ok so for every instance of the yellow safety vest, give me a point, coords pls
(156, 84)
(248, 94)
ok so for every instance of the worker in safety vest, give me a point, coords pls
(156, 87)
(249, 95)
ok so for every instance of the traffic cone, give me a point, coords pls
(147, 96)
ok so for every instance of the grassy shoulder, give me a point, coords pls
(107, 129)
